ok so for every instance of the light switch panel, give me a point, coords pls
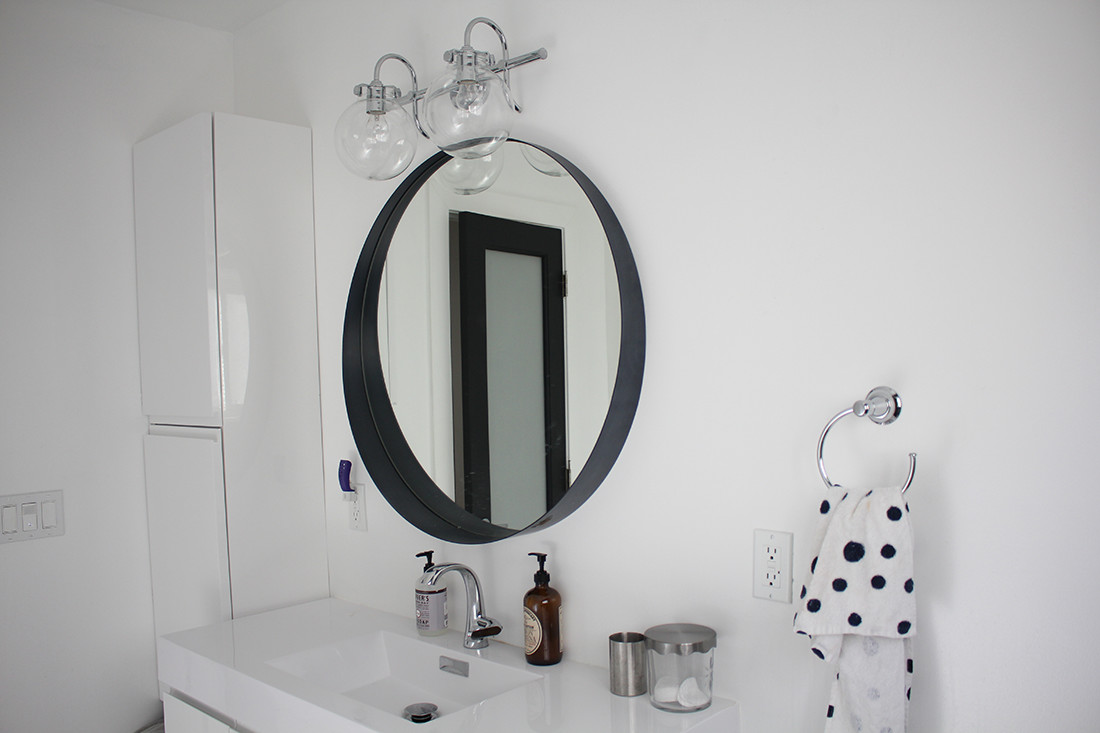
(31, 516)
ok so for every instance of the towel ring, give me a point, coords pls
(882, 406)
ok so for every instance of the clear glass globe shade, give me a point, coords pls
(467, 176)
(467, 119)
(542, 162)
(375, 146)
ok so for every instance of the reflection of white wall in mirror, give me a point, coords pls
(592, 331)
(405, 343)
(421, 270)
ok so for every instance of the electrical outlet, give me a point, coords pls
(357, 515)
(772, 563)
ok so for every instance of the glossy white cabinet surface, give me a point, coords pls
(177, 275)
(185, 491)
(179, 717)
(270, 367)
(229, 669)
(228, 340)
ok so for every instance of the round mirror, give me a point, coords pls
(494, 343)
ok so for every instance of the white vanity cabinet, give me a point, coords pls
(179, 717)
(229, 368)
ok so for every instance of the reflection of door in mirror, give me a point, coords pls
(509, 368)
(415, 313)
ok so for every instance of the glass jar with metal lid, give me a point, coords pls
(680, 663)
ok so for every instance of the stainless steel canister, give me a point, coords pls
(626, 651)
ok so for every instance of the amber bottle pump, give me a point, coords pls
(542, 618)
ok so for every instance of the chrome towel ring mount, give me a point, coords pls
(881, 406)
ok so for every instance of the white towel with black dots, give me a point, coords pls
(858, 608)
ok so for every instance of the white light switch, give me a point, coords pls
(49, 514)
(30, 516)
(10, 522)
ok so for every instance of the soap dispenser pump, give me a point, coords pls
(431, 601)
(542, 618)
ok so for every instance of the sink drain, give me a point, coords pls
(421, 712)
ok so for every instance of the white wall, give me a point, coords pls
(81, 82)
(900, 193)
(822, 197)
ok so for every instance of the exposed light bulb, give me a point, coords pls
(375, 145)
(469, 96)
(467, 110)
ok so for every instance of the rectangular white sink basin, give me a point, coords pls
(390, 672)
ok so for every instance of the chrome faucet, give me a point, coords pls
(478, 626)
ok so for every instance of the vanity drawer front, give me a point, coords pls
(179, 717)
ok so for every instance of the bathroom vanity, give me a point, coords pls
(338, 667)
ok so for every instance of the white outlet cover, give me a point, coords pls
(772, 564)
(357, 517)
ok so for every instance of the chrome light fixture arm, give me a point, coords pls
(383, 92)
(504, 65)
(466, 111)
(499, 67)
(469, 56)
(377, 93)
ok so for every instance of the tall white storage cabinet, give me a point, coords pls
(229, 369)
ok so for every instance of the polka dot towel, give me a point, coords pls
(858, 607)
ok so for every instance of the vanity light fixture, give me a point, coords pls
(466, 111)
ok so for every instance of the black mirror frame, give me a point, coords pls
(390, 460)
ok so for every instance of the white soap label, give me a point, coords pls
(431, 610)
(532, 631)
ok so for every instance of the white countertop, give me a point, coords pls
(224, 670)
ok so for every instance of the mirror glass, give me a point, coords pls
(422, 335)
(494, 342)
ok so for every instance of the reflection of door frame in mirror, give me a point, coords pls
(392, 464)
(491, 434)
(592, 314)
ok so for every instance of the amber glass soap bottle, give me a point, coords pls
(542, 618)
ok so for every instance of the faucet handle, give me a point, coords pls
(486, 627)
(487, 631)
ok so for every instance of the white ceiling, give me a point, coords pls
(226, 15)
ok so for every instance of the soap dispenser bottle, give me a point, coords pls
(542, 618)
(431, 601)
